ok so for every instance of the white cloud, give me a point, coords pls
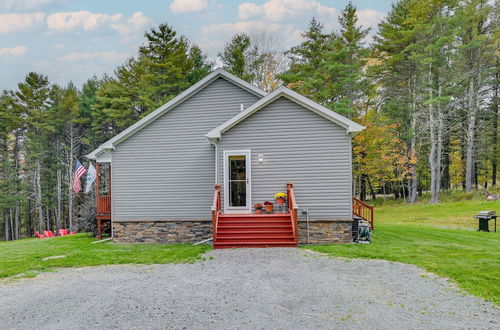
(286, 33)
(20, 22)
(188, 6)
(85, 21)
(369, 17)
(134, 24)
(59, 46)
(279, 10)
(79, 20)
(90, 56)
(27, 5)
(13, 51)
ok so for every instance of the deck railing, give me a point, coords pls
(216, 207)
(363, 210)
(292, 208)
(103, 201)
(103, 205)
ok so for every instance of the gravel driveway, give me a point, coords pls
(245, 289)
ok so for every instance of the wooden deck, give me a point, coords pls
(103, 199)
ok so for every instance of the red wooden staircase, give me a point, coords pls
(254, 230)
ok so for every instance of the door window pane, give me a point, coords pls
(238, 193)
(237, 181)
(237, 168)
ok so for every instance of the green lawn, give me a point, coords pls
(420, 234)
(25, 257)
(416, 235)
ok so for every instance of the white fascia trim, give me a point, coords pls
(351, 127)
(111, 143)
(95, 154)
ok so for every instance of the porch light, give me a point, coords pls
(260, 158)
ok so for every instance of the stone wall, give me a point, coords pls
(167, 232)
(326, 231)
(174, 232)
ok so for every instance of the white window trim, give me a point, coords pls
(237, 209)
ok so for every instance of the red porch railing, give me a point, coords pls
(292, 208)
(363, 210)
(216, 207)
(103, 206)
(103, 201)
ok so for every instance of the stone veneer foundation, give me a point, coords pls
(167, 232)
(325, 231)
(174, 232)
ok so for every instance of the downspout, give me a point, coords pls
(111, 194)
(216, 145)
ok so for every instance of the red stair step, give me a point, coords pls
(253, 245)
(254, 230)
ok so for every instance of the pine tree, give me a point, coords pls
(165, 67)
(34, 100)
(10, 192)
(201, 65)
(329, 68)
(307, 63)
(398, 77)
(241, 58)
(166, 62)
(476, 53)
(351, 54)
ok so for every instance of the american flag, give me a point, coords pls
(79, 172)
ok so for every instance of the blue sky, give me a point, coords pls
(75, 39)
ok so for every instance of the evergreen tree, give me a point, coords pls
(398, 77)
(477, 22)
(241, 58)
(166, 62)
(10, 190)
(329, 68)
(34, 100)
(201, 65)
(165, 67)
(346, 59)
(307, 63)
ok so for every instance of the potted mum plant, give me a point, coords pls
(258, 207)
(280, 198)
(269, 206)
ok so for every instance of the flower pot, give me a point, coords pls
(258, 210)
(269, 208)
(280, 201)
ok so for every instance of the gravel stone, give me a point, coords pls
(276, 288)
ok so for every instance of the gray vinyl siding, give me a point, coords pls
(166, 171)
(298, 146)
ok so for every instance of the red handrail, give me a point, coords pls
(292, 208)
(364, 211)
(216, 207)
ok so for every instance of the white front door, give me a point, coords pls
(237, 181)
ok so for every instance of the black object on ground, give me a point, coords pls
(484, 218)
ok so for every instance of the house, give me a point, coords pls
(194, 169)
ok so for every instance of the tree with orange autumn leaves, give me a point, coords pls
(380, 157)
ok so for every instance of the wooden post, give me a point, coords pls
(109, 180)
(97, 186)
(97, 179)
(216, 206)
(99, 229)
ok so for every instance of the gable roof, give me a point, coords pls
(351, 127)
(218, 73)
